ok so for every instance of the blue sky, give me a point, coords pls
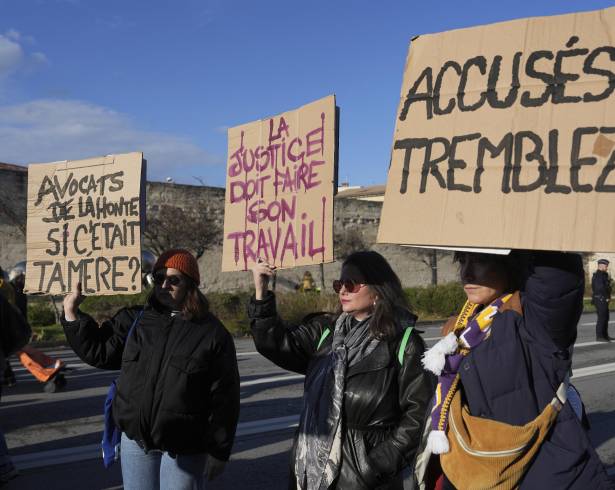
(81, 78)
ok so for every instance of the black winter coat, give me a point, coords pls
(384, 404)
(178, 388)
(601, 285)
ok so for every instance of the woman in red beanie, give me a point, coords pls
(177, 399)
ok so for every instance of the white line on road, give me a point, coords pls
(581, 344)
(589, 344)
(593, 323)
(267, 425)
(272, 379)
(593, 370)
(92, 451)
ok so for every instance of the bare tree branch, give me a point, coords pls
(348, 241)
(173, 227)
(11, 215)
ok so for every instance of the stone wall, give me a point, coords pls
(349, 213)
(13, 198)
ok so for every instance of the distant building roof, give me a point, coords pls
(14, 168)
(370, 192)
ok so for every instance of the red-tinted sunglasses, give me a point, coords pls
(349, 285)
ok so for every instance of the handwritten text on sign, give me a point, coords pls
(504, 137)
(279, 189)
(84, 223)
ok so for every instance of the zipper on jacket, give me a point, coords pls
(483, 454)
(148, 402)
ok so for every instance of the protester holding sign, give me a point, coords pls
(177, 399)
(365, 390)
(500, 417)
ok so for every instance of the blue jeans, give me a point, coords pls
(157, 470)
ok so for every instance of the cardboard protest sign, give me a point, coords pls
(84, 225)
(280, 183)
(505, 137)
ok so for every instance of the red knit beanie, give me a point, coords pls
(182, 260)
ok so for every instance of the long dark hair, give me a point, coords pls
(195, 306)
(382, 280)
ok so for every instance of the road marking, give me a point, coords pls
(272, 379)
(267, 425)
(588, 344)
(593, 370)
(55, 457)
(92, 451)
(593, 323)
(582, 344)
(246, 353)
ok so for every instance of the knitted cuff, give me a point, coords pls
(262, 308)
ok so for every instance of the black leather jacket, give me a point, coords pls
(385, 403)
(178, 388)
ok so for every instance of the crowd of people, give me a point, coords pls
(488, 406)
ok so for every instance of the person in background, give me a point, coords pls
(601, 296)
(307, 282)
(9, 318)
(365, 392)
(177, 399)
(44, 368)
(5, 287)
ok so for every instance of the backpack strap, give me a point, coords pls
(326, 332)
(402, 345)
(134, 324)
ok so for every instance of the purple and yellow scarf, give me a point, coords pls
(444, 359)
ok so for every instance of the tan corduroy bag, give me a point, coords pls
(486, 454)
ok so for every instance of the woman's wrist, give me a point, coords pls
(260, 293)
(70, 315)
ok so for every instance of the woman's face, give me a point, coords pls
(170, 287)
(355, 297)
(483, 278)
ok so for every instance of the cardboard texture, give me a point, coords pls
(84, 225)
(280, 183)
(504, 137)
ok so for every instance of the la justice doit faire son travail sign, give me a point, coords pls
(84, 225)
(279, 189)
(505, 136)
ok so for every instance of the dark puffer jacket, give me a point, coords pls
(384, 404)
(178, 388)
(512, 376)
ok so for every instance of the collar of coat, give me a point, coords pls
(513, 304)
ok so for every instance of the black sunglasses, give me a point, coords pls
(349, 285)
(172, 280)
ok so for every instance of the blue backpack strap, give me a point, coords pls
(404, 343)
(326, 332)
(112, 435)
(134, 324)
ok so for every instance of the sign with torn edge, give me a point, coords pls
(505, 137)
(280, 183)
(84, 222)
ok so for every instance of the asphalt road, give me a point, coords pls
(53, 438)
